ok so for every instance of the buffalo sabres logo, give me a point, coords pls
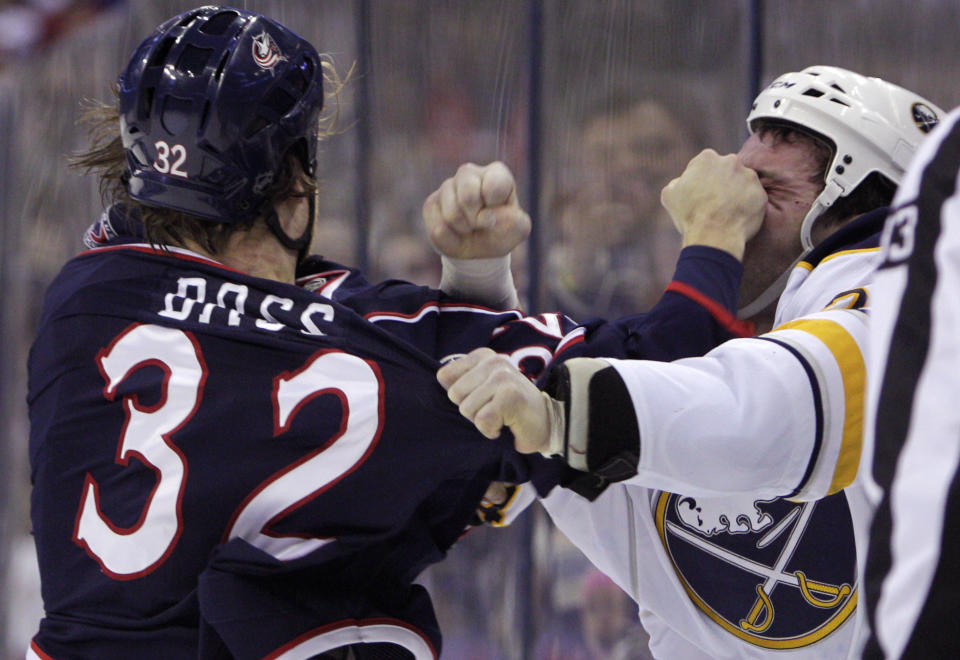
(777, 574)
(924, 117)
(266, 53)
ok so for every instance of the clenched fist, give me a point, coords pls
(492, 393)
(716, 202)
(475, 214)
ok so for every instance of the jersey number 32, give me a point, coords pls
(135, 551)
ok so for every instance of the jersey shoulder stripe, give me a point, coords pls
(833, 341)
(818, 411)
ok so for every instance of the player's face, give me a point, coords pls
(787, 171)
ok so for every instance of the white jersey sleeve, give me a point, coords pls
(739, 419)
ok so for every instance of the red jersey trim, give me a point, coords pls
(716, 310)
(176, 253)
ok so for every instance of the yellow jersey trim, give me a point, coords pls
(847, 355)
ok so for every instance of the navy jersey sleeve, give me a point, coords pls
(696, 313)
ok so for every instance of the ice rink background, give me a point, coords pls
(594, 104)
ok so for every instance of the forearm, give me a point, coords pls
(774, 416)
(696, 313)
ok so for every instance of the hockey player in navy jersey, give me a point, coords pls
(735, 518)
(241, 451)
(229, 461)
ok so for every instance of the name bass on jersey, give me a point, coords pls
(235, 304)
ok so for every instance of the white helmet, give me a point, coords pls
(875, 126)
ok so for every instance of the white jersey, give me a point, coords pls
(719, 567)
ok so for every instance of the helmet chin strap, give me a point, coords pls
(831, 192)
(769, 295)
(301, 244)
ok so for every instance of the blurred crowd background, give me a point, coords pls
(595, 105)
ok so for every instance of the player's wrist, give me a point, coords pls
(719, 238)
(488, 281)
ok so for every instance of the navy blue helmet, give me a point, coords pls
(210, 104)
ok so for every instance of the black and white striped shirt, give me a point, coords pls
(913, 413)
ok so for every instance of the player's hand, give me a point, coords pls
(716, 202)
(475, 214)
(492, 393)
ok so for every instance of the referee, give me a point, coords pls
(913, 412)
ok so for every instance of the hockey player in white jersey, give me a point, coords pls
(719, 492)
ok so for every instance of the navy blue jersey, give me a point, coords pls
(260, 468)
(177, 405)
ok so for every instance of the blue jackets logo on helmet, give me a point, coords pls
(266, 53)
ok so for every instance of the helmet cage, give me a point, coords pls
(210, 104)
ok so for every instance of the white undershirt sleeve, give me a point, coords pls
(488, 282)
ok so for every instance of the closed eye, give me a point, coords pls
(777, 195)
